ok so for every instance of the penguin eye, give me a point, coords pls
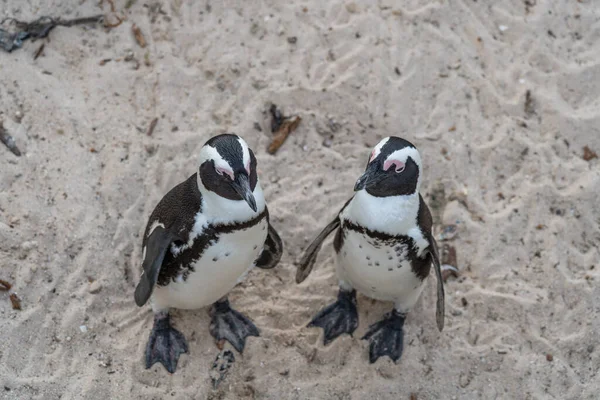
(397, 165)
(223, 171)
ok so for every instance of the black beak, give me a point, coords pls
(241, 185)
(372, 176)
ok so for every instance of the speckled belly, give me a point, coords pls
(222, 265)
(378, 268)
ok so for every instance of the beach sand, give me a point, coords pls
(500, 98)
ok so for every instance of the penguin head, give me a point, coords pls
(393, 169)
(228, 168)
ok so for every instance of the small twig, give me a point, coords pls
(152, 126)
(78, 21)
(16, 302)
(589, 154)
(139, 37)
(8, 141)
(4, 285)
(287, 126)
(39, 51)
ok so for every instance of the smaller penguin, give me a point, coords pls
(200, 241)
(384, 249)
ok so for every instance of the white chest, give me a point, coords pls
(381, 268)
(393, 215)
(378, 269)
(222, 265)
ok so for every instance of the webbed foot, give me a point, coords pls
(386, 337)
(338, 318)
(165, 343)
(231, 325)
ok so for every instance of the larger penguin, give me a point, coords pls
(384, 247)
(200, 241)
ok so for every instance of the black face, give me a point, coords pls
(237, 184)
(390, 178)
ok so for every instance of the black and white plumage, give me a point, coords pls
(200, 241)
(384, 249)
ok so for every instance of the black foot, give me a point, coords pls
(337, 318)
(231, 325)
(165, 344)
(386, 337)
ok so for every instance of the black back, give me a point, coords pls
(177, 209)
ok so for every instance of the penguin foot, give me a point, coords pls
(338, 318)
(165, 344)
(231, 325)
(386, 337)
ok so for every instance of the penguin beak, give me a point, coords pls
(241, 185)
(372, 176)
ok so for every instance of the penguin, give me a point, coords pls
(201, 240)
(384, 249)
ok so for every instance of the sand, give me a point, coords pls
(450, 76)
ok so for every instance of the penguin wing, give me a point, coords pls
(425, 221)
(439, 313)
(310, 256)
(156, 248)
(272, 250)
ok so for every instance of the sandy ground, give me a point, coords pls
(449, 75)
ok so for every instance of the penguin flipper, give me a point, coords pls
(272, 250)
(426, 222)
(310, 256)
(156, 248)
(439, 312)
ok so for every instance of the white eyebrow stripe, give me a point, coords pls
(245, 153)
(378, 147)
(403, 154)
(209, 152)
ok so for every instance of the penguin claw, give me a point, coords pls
(165, 344)
(386, 337)
(337, 318)
(228, 324)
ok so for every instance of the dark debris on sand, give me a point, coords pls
(38, 29)
(8, 141)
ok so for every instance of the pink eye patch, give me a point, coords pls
(226, 171)
(372, 156)
(398, 165)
